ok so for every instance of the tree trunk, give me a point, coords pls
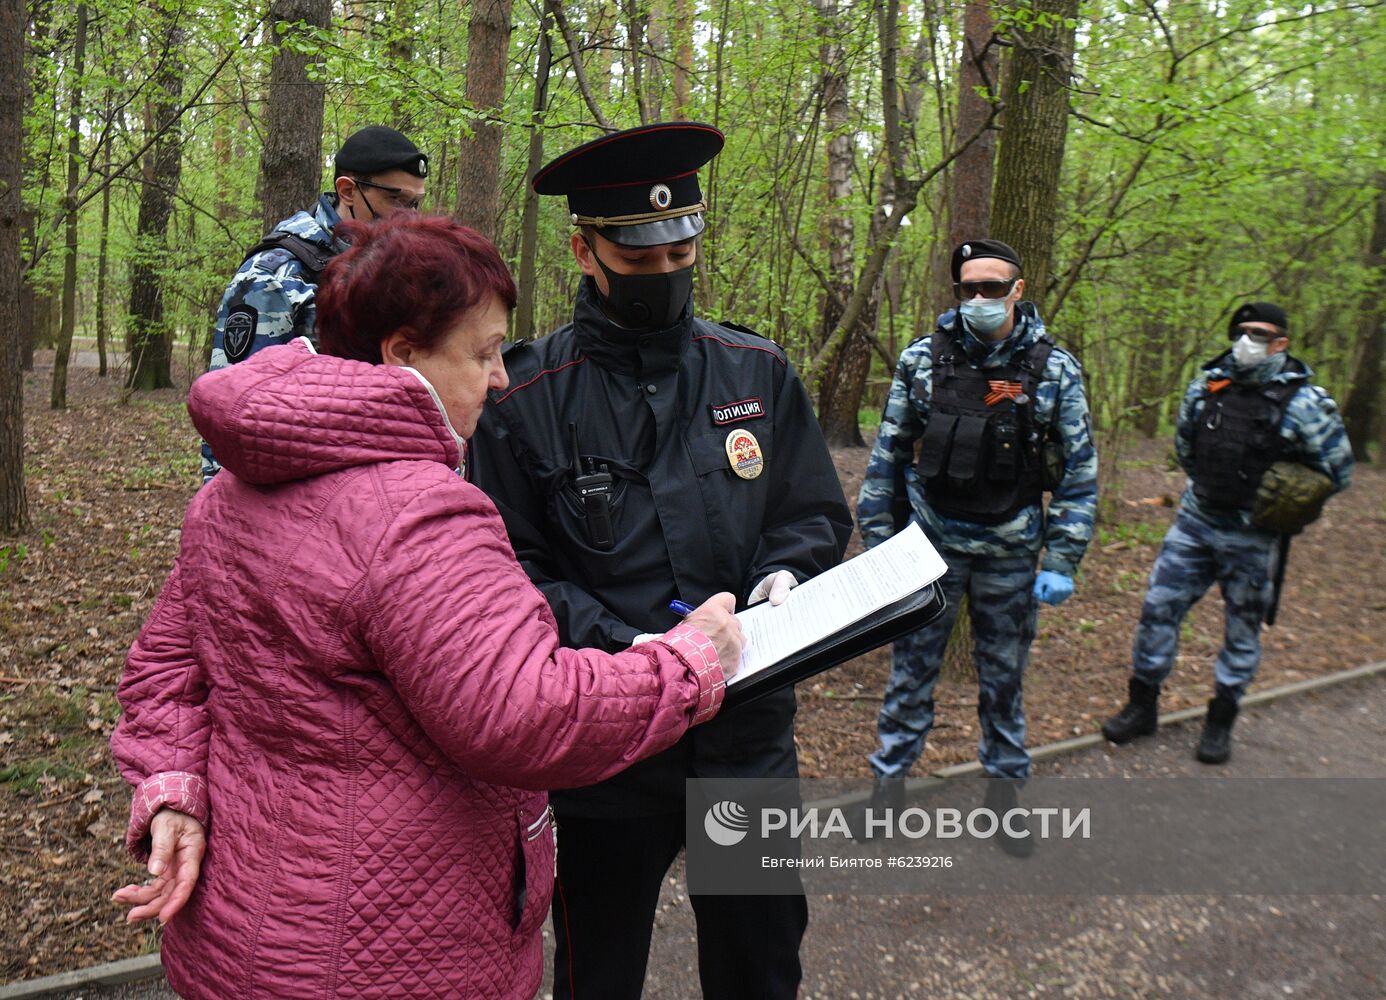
(24, 309)
(838, 234)
(529, 225)
(635, 36)
(970, 209)
(683, 56)
(1034, 129)
(14, 504)
(400, 51)
(57, 398)
(656, 41)
(47, 316)
(1363, 410)
(103, 320)
(151, 342)
(1148, 386)
(844, 380)
(29, 296)
(291, 159)
(575, 60)
(479, 159)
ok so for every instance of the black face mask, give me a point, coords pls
(645, 301)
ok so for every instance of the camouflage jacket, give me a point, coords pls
(271, 300)
(1311, 429)
(893, 487)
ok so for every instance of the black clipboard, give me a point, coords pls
(909, 614)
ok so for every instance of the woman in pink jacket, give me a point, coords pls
(348, 694)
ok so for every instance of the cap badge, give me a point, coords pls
(660, 196)
(744, 454)
(967, 249)
(423, 167)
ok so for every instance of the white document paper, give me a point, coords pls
(832, 601)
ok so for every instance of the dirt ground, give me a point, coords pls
(108, 482)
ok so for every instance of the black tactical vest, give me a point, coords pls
(1236, 438)
(980, 453)
(312, 256)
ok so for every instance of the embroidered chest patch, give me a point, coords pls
(741, 409)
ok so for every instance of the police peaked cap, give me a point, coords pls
(376, 149)
(638, 187)
(1257, 312)
(979, 249)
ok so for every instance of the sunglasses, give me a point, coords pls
(992, 289)
(1259, 335)
(408, 204)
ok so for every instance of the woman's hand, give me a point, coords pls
(716, 619)
(179, 842)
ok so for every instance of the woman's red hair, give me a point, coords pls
(409, 273)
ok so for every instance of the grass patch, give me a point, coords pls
(1132, 533)
(869, 421)
(55, 710)
(27, 776)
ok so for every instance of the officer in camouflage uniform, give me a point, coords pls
(985, 399)
(271, 298)
(1250, 406)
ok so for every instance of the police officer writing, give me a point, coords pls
(999, 416)
(1263, 447)
(643, 455)
(271, 299)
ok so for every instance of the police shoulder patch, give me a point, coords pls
(239, 332)
(736, 411)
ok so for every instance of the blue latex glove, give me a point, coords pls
(1053, 588)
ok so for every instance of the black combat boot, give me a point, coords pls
(887, 794)
(1215, 745)
(1139, 717)
(1001, 798)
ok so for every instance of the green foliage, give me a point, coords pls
(1216, 152)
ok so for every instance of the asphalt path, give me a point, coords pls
(881, 948)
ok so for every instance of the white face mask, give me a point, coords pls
(1247, 352)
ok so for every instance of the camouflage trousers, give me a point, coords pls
(1002, 606)
(1193, 556)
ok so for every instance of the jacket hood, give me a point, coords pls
(288, 413)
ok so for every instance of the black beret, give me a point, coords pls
(1257, 312)
(376, 149)
(638, 187)
(979, 249)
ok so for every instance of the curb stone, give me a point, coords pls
(146, 967)
(127, 970)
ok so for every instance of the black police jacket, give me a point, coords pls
(655, 410)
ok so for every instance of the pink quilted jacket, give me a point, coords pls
(349, 679)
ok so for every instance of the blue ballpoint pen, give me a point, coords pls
(680, 608)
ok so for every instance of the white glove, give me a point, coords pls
(645, 637)
(776, 586)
